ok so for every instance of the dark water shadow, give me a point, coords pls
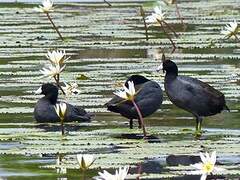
(155, 166)
(57, 127)
(175, 160)
(196, 177)
(149, 138)
(149, 166)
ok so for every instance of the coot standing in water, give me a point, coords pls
(44, 109)
(149, 99)
(191, 94)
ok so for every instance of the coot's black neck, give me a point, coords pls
(171, 69)
(170, 75)
(52, 97)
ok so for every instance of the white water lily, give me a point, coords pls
(85, 160)
(230, 30)
(52, 70)
(47, 6)
(120, 174)
(57, 57)
(207, 166)
(157, 16)
(169, 2)
(61, 109)
(71, 88)
(127, 93)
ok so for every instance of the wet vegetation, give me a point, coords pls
(106, 45)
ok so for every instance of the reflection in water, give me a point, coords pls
(148, 138)
(56, 127)
(186, 160)
(59, 166)
(106, 58)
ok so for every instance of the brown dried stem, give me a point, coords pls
(171, 28)
(144, 22)
(180, 16)
(108, 3)
(57, 79)
(173, 44)
(50, 19)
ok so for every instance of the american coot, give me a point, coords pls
(191, 94)
(149, 99)
(44, 109)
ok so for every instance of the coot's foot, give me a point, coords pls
(198, 134)
(131, 124)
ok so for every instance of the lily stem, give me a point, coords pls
(171, 28)
(84, 175)
(140, 117)
(62, 126)
(57, 79)
(173, 44)
(50, 19)
(144, 22)
(139, 171)
(236, 37)
(180, 16)
(108, 3)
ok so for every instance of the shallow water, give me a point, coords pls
(107, 44)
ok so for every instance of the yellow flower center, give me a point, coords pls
(208, 167)
(130, 97)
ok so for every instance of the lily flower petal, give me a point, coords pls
(52, 70)
(71, 88)
(207, 166)
(120, 174)
(47, 6)
(158, 15)
(60, 109)
(213, 157)
(230, 30)
(127, 93)
(203, 158)
(57, 57)
(85, 160)
(203, 177)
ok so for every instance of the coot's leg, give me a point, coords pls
(200, 124)
(198, 131)
(131, 123)
(197, 122)
(139, 124)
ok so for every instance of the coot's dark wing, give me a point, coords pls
(121, 106)
(44, 112)
(203, 99)
(199, 85)
(76, 113)
(118, 105)
(149, 98)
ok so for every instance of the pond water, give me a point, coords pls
(107, 44)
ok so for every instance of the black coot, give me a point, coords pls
(149, 99)
(44, 109)
(191, 94)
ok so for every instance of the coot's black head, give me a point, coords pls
(137, 79)
(50, 91)
(170, 67)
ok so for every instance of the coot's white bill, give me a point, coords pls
(39, 91)
(160, 67)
